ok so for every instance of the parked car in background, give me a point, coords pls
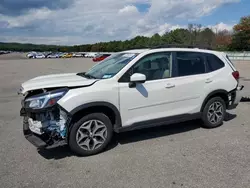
(100, 57)
(67, 55)
(39, 56)
(5, 52)
(77, 55)
(31, 55)
(91, 55)
(46, 54)
(61, 54)
(53, 55)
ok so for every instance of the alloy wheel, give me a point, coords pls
(91, 134)
(215, 112)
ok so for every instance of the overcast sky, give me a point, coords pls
(89, 21)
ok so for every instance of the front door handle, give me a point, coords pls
(209, 80)
(170, 85)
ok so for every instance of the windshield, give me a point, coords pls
(110, 66)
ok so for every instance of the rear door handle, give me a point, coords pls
(209, 80)
(170, 85)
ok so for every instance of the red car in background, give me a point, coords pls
(101, 57)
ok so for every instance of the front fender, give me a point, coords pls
(98, 104)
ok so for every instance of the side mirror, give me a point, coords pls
(137, 78)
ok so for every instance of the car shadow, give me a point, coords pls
(64, 151)
(133, 136)
(229, 116)
(157, 132)
(56, 153)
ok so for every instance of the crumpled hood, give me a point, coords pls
(55, 80)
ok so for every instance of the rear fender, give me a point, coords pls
(219, 92)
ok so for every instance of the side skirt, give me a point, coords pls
(159, 122)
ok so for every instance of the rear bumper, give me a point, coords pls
(235, 97)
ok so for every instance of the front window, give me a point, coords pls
(110, 66)
(154, 66)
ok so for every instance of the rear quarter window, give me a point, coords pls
(214, 63)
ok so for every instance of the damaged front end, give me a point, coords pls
(45, 122)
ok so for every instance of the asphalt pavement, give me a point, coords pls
(173, 156)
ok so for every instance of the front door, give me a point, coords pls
(152, 99)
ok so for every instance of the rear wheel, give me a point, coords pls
(91, 134)
(214, 112)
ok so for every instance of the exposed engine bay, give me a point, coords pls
(51, 122)
(47, 123)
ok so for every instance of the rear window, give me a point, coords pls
(213, 63)
(229, 60)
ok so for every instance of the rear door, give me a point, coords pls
(189, 77)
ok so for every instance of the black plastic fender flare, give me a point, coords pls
(219, 91)
(118, 122)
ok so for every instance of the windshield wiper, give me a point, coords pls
(83, 74)
(90, 76)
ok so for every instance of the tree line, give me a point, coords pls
(195, 34)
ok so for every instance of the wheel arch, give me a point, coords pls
(103, 107)
(217, 93)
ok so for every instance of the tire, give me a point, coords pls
(87, 146)
(214, 121)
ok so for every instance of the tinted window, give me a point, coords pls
(230, 60)
(154, 66)
(190, 63)
(213, 63)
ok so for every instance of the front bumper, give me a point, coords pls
(235, 97)
(45, 140)
(33, 138)
(40, 141)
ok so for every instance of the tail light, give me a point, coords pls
(236, 75)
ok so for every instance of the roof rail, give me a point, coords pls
(182, 46)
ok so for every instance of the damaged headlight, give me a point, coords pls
(44, 100)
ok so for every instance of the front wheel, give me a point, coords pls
(214, 112)
(91, 134)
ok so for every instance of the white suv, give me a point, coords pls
(129, 90)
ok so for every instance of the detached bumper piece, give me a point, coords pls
(235, 97)
(245, 99)
(45, 133)
(31, 137)
(40, 141)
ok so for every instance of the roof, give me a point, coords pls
(135, 51)
(183, 49)
(169, 49)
